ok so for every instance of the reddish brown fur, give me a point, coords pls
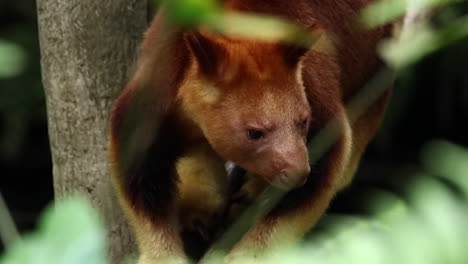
(269, 96)
(170, 107)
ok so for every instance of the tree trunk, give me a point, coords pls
(88, 51)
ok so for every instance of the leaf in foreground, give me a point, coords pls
(69, 233)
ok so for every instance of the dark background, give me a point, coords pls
(430, 101)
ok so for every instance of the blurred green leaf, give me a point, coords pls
(449, 161)
(192, 12)
(384, 11)
(69, 233)
(8, 232)
(443, 214)
(266, 28)
(12, 59)
(421, 41)
(208, 14)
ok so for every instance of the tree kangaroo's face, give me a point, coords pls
(263, 128)
(253, 109)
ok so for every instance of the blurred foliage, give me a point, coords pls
(384, 11)
(12, 60)
(192, 12)
(8, 230)
(208, 14)
(419, 39)
(425, 224)
(70, 232)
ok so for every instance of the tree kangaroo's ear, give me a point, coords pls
(208, 53)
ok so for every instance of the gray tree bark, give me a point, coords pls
(88, 50)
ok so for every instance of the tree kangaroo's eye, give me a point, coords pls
(255, 134)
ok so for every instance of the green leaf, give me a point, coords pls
(448, 161)
(265, 28)
(12, 59)
(421, 41)
(192, 12)
(69, 233)
(384, 11)
(209, 14)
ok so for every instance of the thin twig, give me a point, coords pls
(8, 231)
